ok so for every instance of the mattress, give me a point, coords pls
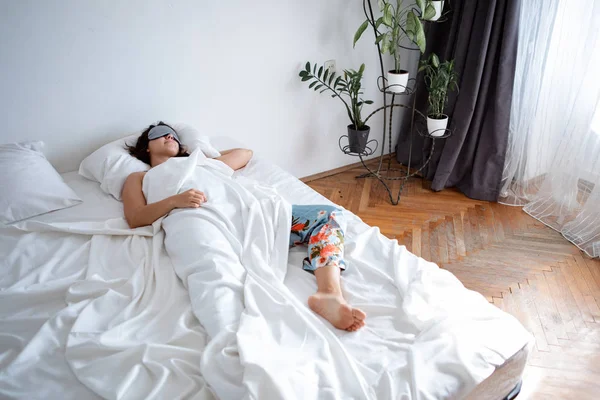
(46, 271)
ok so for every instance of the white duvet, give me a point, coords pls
(212, 307)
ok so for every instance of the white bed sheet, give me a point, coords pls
(50, 287)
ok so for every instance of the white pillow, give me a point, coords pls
(30, 184)
(192, 139)
(111, 164)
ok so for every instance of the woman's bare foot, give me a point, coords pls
(334, 309)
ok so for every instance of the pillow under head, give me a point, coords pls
(30, 184)
(111, 164)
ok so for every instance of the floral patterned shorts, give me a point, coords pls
(317, 226)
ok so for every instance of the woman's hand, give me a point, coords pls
(189, 199)
(139, 213)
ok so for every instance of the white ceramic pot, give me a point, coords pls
(437, 127)
(439, 7)
(397, 82)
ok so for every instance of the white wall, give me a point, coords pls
(78, 74)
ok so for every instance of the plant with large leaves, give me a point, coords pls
(439, 78)
(400, 22)
(348, 84)
(347, 88)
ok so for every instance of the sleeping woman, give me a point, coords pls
(316, 226)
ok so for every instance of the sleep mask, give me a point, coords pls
(162, 130)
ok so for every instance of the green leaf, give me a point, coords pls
(324, 90)
(331, 78)
(361, 70)
(379, 39)
(435, 60)
(414, 31)
(421, 5)
(320, 72)
(411, 22)
(368, 101)
(314, 69)
(421, 40)
(307, 66)
(429, 12)
(306, 78)
(318, 87)
(387, 15)
(333, 95)
(378, 22)
(303, 73)
(325, 75)
(381, 4)
(312, 85)
(337, 81)
(360, 31)
(385, 46)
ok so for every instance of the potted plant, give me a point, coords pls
(400, 22)
(439, 78)
(438, 6)
(348, 85)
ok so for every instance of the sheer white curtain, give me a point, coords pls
(553, 161)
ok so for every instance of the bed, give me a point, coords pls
(91, 309)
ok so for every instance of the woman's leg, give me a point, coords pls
(329, 302)
(318, 226)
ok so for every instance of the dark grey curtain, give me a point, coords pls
(481, 36)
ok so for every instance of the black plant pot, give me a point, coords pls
(358, 139)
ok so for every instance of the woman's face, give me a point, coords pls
(163, 146)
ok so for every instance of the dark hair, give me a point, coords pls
(140, 149)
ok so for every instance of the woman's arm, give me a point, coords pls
(139, 213)
(235, 158)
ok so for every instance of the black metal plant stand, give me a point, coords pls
(420, 125)
(383, 174)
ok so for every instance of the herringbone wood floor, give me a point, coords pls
(515, 261)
